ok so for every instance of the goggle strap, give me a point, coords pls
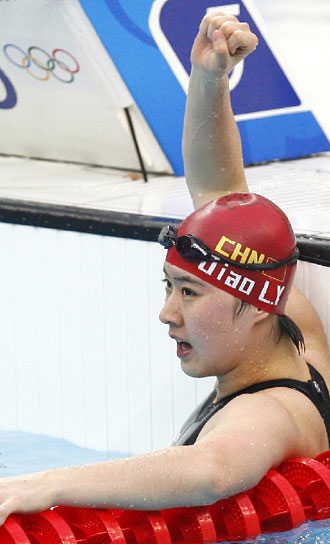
(168, 237)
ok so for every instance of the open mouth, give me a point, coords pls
(183, 349)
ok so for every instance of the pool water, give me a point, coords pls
(22, 452)
(312, 532)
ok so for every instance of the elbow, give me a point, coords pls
(213, 475)
(219, 484)
(222, 476)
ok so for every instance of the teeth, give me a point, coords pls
(185, 345)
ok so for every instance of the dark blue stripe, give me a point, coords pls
(11, 99)
(121, 16)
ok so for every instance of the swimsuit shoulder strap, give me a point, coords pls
(315, 389)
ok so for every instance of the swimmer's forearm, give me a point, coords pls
(211, 144)
(165, 479)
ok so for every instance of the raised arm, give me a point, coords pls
(211, 143)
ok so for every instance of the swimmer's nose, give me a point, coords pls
(171, 313)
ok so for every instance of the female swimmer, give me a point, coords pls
(228, 272)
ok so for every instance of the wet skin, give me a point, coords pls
(201, 319)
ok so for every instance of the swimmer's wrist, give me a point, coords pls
(209, 76)
(71, 486)
(208, 83)
(57, 484)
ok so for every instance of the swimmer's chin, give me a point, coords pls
(189, 370)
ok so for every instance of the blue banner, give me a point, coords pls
(150, 42)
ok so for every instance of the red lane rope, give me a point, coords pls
(296, 491)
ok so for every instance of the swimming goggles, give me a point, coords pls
(192, 248)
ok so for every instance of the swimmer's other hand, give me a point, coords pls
(28, 493)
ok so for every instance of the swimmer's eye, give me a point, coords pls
(168, 284)
(187, 292)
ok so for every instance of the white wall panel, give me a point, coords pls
(83, 354)
(26, 328)
(139, 383)
(71, 335)
(116, 348)
(8, 387)
(92, 295)
(48, 357)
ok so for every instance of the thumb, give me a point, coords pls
(219, 42)
(220, 47)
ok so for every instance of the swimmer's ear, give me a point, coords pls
(259, 315)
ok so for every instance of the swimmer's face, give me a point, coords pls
(201, 319)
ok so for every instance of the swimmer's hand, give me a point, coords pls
(221, 43)
(28, 493)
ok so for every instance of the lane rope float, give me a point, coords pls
(296, 491)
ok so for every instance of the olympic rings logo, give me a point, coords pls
(47, 63)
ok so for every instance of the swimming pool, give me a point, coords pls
(313, 532)
(22, 452)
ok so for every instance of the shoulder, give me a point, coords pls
(243, 406)
(255, 419)
(256, 432)
(250, 435)
(281, 423)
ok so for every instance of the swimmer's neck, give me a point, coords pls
(265, 358)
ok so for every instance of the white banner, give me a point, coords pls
(61, 96)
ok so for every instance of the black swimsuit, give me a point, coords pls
(315, 389)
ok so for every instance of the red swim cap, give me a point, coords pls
(245, 228)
